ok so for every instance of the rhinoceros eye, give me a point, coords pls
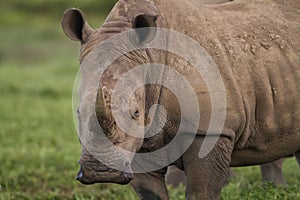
(136, 115)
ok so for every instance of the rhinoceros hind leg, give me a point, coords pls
(272, 172)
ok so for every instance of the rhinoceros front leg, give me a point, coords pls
(150, 186)
(207, 176)
(175, 177)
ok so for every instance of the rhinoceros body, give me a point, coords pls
(256, 48)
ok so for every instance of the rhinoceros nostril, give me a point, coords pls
(79, 174)
(128, 175)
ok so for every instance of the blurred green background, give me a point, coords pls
(39, 148)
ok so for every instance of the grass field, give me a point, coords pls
(39, 148)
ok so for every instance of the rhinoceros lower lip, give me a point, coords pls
(88, 177)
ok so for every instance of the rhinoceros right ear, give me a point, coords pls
(75, 25)
(144, 26)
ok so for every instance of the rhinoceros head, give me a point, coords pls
(95, 112)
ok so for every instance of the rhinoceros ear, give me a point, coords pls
(75, 26)
(144, 26)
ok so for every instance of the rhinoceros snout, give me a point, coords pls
(80, 177)
(88, 176)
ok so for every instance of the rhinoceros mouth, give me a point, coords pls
(89, 176)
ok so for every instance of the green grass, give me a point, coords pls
(39, 148)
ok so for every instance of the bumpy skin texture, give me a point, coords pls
(255, 44)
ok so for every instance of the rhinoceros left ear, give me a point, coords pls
(144, 26)
(75, 25)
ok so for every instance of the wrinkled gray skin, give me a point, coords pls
(270, 172)
(255, 45)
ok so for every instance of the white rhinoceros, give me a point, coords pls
(255, 45)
